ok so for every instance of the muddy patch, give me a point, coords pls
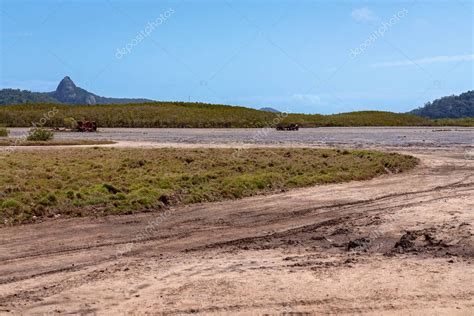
(451, 239)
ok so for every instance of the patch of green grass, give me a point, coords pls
(10, 204)
(4, 132)
(48, 200)
(39, 134)
(103, 181)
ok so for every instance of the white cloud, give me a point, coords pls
(426, 60)
(364, 15)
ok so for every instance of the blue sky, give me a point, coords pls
(300, 56)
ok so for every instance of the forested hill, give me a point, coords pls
(17, 96)
(67, 92)
(455, 106)
(202, 115)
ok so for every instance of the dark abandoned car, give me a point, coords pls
(86, 126)
(288, 127)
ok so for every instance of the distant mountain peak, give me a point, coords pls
(268, 109)
(67, 80)
(68, 92)
(66, 88)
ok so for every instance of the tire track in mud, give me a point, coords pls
(457, 184)
(90, 247)
(326, 306)
(339, 219)
(345, 214)
(305, 211)
(343, 206)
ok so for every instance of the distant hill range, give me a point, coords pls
(455, 106)
(269, 110)
(66, 92)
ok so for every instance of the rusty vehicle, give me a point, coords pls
(288, 127)
(86, 126)
(77, 126)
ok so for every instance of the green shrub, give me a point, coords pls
(49, 200)
(110, 188)
(4, 132)
(70, 195)
(39, 134)
(70, 122)
(10, 204)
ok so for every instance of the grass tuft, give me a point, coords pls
(4, 132)
(39, 134)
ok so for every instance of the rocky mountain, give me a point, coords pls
(454, 106)
(66, 92)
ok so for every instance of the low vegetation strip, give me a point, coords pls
(201, 115)
(102, 181)
(67, 142)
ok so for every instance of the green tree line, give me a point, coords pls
(201, 115)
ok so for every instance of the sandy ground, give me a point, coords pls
(309, 137)
(397, 244)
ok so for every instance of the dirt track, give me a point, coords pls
(395, 244)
